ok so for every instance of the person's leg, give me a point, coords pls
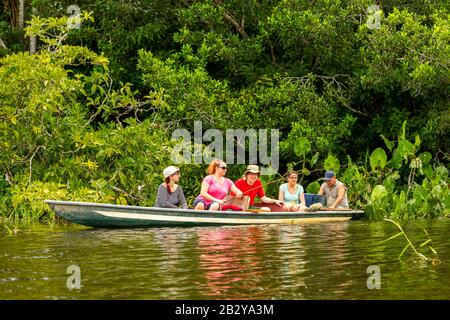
(214, 206)
(199, 204)
(301, 208)
(315, 207)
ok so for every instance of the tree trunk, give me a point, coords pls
(11, 5)
(33, 38)
(21, 13)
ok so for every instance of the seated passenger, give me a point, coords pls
(335, 192)
(251, 186)
(170, 194)
(292, 194)
(215, 187)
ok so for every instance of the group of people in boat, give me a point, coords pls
(216, 187)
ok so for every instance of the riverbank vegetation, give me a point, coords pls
(353, 87)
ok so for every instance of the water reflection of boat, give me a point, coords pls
(109, 215)
(231, 261)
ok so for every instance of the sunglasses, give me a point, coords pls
(224, 168)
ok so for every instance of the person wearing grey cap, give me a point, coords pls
(335, 192)
(170, 194)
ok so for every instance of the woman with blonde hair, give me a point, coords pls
(215, 187)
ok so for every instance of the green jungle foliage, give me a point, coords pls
(349, 86)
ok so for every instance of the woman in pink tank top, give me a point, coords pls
(215, 187)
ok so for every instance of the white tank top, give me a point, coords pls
(332, 193)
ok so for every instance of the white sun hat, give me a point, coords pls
(170, 170)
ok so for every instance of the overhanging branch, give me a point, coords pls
(230, 18)
(239, 27)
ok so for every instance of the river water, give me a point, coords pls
(344, 260)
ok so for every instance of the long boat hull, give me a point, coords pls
(120, 216)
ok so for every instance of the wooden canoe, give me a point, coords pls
(120, 216)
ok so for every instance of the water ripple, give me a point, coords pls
(315, 261)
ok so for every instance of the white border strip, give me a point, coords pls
(157, 217)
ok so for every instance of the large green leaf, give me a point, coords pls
(313, 187)
(332, 163)
(417, 141)
(390, 181)
(442, 173)
(389, 144)
(378, 158)
(302, 147)
(378, 193)
(314, 159)
(306, 171)
(396, 161)
(425, 157)
(446, 201)
(420, 193)
(405, 148)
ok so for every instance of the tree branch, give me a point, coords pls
(239, 27)
(127, 194)
(2, 44)
(31, 161)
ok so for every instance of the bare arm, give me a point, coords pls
(341, 194)
(281, 195)
(321, 192)
(236, 191)
(270, 200)
(302, 198)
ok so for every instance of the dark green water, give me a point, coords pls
(316, 261)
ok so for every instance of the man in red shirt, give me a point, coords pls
(251, 186)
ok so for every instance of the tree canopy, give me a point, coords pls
(90, 114)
